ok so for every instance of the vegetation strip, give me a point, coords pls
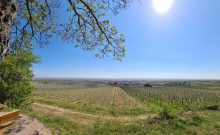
(47, 109)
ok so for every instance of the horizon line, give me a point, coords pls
(91, 78)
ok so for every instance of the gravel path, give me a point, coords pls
(28, 126)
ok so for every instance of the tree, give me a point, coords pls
(15, 79)
(7, 15)
(36, 22)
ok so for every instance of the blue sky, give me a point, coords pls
(184, 43)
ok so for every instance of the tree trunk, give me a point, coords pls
(7, 15)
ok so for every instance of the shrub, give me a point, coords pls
(196, 121)
(165, 114)
(15, 79)
(212, 107)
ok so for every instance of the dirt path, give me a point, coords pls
(27, 126)
(84, 118)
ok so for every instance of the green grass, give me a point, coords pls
(74, 107)
(152, 126)
(204, 122)
(98, 110)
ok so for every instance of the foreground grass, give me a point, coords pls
(201, 124)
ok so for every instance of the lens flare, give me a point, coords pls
(162, 6)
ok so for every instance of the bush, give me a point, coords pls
(165, 114)
(15, 79)
(196, 121)
(212, 107)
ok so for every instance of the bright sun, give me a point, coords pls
(162, 6)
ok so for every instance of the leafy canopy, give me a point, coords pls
(38, 20)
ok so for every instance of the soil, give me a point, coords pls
(27, 126)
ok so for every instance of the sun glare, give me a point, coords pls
(162, 6)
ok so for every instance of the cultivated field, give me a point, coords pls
(185, 95)
(106, 100)
(96, 108)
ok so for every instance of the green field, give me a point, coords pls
(82, 108)
(102, 100)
